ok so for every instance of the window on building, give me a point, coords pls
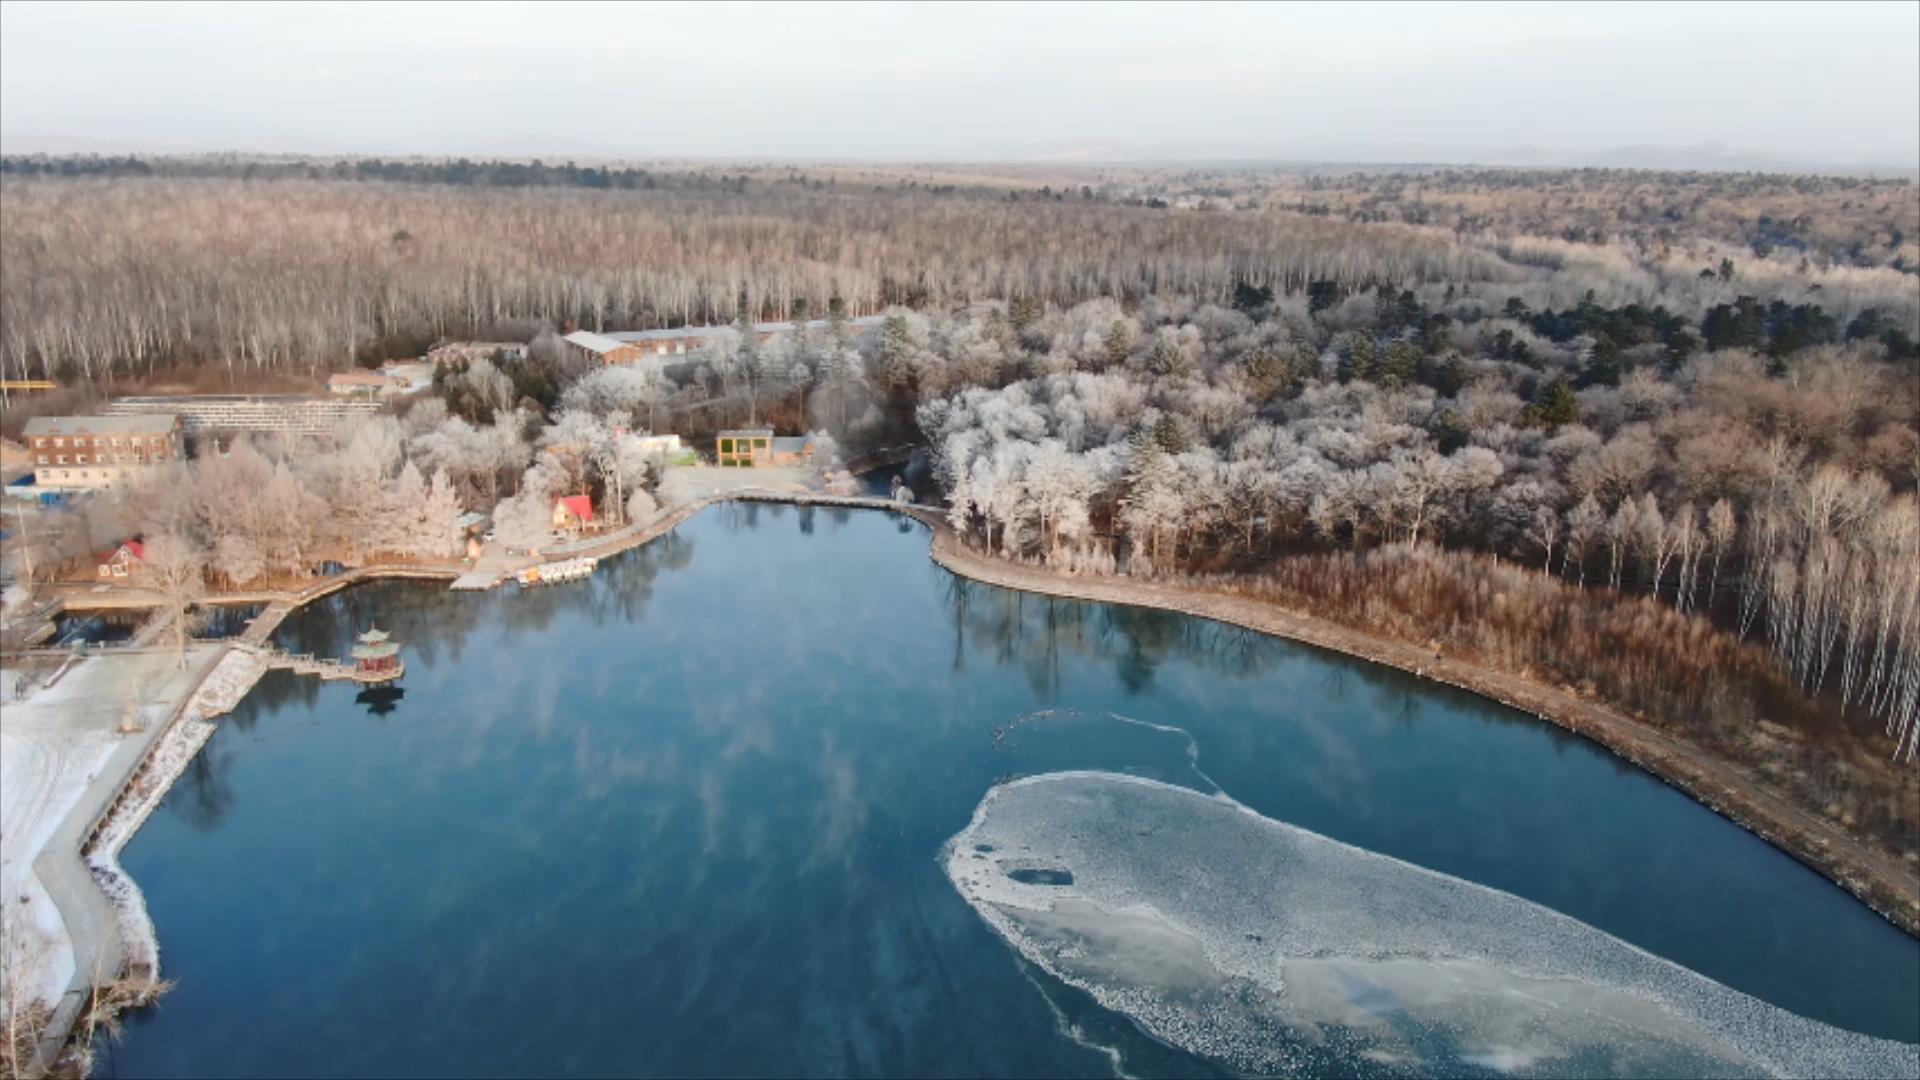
(759, 444)
(63, 459)
(43, 459)
(79, 459)
(726, 446)
(59, 442)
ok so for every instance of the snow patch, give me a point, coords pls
(227, 683)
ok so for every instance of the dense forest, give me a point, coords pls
(111, 267)
(1653, 436)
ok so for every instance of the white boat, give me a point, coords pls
(555, 572)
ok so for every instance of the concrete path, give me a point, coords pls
(63, 762)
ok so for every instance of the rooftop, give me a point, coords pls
(592, 342)
(675, 333)
(148, 424)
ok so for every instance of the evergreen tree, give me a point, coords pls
(1358, 357)
(1603, 364)
(1119, 344)
(1023, 311)
(1169, 435)
(1166, 359)
(1452, 376)
(1322, 295)
(1401, 364)
(1554, 407)
(1450, 433)
(1248, 300)
(837, 321)
(1268, 372)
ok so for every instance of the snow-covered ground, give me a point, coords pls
(55, 745)
(45, 763)
(692, 483)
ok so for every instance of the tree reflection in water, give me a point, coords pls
(432, 623)
(203, 794)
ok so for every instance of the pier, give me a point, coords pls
(329, 670)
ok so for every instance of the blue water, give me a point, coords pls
(685, 819)
(95, 628)
(217, 621)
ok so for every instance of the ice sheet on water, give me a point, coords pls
(1277, 950)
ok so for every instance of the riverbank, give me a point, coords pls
(1877, 880)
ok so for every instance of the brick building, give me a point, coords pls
(77, 453)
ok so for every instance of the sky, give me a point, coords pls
(1828, 83)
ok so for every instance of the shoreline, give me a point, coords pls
(1874, 879)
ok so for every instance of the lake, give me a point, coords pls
(688, 818)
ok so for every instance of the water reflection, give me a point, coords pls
(380, 700)
(220, 621)
(689, 812)
(95, 627)
(203, 794)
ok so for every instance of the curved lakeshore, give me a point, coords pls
(1878, 881)
(1875, 880)
(487, 715)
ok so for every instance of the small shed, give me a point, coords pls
(744, 448)
(792, 449)
(572, 512)
(123, 561)
(750, 448)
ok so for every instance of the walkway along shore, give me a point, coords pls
(1880, 882)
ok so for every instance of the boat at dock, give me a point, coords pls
(555, 572)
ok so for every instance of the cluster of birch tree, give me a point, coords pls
(100, 277)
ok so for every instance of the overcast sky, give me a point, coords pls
(1825, 82)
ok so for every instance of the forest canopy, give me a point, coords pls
(111, 266)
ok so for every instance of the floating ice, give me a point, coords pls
(1273, 949)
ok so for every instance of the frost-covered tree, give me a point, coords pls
(439, 519)
(175, 566)
(237, 558)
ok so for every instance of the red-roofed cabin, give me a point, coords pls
(123, 561)
(572, 512)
